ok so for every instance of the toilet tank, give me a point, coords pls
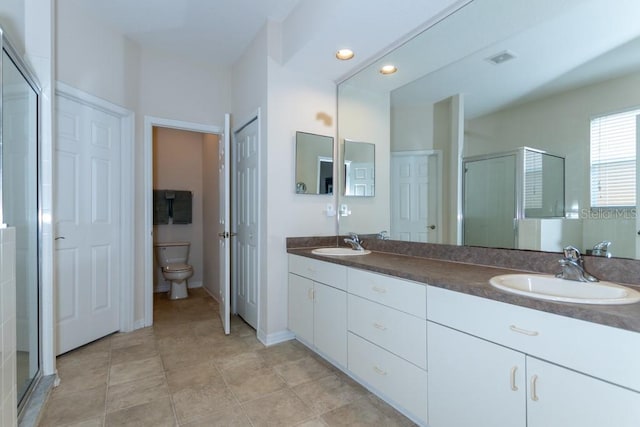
(171, 253)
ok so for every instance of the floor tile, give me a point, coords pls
(363, 413)
(136, 392)
(199, 401)
(132, 353)
(282, 408)
(157, 413)
(301, 371)
(74, 407)
(229, 417)
(329, 393)
(249, 384)
(134, 370)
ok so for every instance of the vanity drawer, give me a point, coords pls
(319, 271)
(402, 295)
(400, 333)
(597, 350)
(396, 379)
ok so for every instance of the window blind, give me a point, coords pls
(613, 160)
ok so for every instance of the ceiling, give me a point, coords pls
(219, 31)
(557, 46)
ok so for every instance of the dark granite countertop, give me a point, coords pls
(473, 279)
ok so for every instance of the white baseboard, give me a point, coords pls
(211, 294)
(275, 338)
(138, 324)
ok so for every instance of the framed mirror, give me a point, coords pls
(314, 164)
(489, 78)
(359, 168)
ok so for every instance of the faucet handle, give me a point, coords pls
(602, 246)
(354, 236)
(572, 253)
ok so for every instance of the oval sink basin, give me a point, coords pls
(549, 287)
(339, 252)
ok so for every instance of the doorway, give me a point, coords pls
(205, 274)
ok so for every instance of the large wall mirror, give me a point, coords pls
(314, 164)
(561, 78)
(359, 169)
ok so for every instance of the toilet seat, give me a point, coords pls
(177, 268)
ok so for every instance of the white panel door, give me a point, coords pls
(247, 204)
(414, 198)
(224, 227)
(87, 223)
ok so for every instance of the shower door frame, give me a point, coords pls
(29, 76)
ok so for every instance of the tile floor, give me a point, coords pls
(184, 371)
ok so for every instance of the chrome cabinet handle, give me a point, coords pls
(379, 371)
(514, 328)
(378, 289)
(514, 387)
(59, 238)
(534, 392)
(379, 326)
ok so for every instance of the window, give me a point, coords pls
(613, 160)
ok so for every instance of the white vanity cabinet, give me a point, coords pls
(496, 364)
(318, 306)
(387, 338)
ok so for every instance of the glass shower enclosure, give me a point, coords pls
(501, 188)
(20, 206)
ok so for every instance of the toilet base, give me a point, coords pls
(178, 290)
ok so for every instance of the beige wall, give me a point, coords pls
(178, 165)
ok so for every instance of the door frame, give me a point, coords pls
(127, 152)
(147, 246)
(254, 116)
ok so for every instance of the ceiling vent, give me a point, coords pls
(501, 57)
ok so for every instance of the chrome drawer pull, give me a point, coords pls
(379, 289)
(311, 269)
(514, 328)
(379, 326)
(379, 371)
(514, 387)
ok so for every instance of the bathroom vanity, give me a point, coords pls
(437, 342)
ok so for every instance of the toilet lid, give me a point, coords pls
(173, 268)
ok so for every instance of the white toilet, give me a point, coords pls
(172, 258)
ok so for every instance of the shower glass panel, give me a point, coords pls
(502, 188)
(490, 202)
(19, 209)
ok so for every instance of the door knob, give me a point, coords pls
(431, 227)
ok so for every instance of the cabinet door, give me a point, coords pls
(301, 308)
(330, 322)
(473, 382)
(560, 397)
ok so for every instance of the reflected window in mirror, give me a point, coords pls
(359, 168)
(613, 160)
(314, 164)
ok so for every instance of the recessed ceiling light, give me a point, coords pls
(501, 57)
(388, 69)
(344, 54)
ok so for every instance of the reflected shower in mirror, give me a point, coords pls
(359, 168)
(314, 164)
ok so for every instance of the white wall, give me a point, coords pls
(8, 388)
(288, 101)
(100, 61)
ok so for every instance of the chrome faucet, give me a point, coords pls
(383, 235)
(573, 267)
(601, 249)
(354, 241)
